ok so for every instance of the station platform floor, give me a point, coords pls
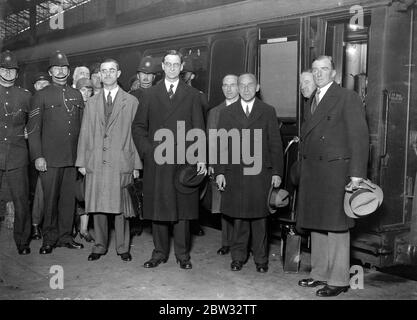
(29, 277)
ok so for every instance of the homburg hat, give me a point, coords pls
(364, 200)
(187, 180)
(277, 198)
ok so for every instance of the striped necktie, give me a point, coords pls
(247, 111)
(171, 92)
(316, 101)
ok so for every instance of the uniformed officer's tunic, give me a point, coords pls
(14, 102)
(55, 118)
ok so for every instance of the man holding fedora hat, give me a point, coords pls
(334, 145)
(244, 197)
(164, 202)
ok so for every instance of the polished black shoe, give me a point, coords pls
(126, 256)
(86, 236)
(36, 232)
(94, 256)
(185, 264)
(236, 265)
(311, 283)
(46, 249)
(154, 263)
(72, 245)
(331, 291)
(23, 251)
(262, 267)
(223, 250)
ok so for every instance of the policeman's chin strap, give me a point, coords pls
(8, 81)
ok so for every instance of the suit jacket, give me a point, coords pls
(13, 118)
(245, 196)
(108, 153)
(161, 200)
(54, 125)
(334, 146)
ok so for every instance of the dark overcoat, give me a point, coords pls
(245, 196)
(212, 123)
(334, 147)
(107, 152)
(161, 200)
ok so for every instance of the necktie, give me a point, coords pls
(171, 92)
(316, 101)
(109, 102)
(247, 111)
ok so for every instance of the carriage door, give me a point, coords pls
(278, 78)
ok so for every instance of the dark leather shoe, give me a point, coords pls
(154, 263)
(262, 267)
(223, 250)
(311, 283)
(72, 245)
(236, 265)
(46, 249)
(185, 264)
(94, 256)
(198, 231)
(126, 256)
(23, 251)
(36, 232)
(331, 291)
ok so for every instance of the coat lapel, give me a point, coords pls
(238, 113)
(255, 113)
(326, 104)
(99, 105)
(175, 102)
(119, 104)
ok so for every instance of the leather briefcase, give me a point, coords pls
(135, 190)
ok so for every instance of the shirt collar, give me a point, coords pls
(113, 92)
(229, 102)
(168, 84)
(324, 90)
(249, 104)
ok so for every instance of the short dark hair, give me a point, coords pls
(323, 57)
(173, 53)
(111, 60)
(95, 67)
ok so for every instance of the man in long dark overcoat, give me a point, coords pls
(167, 106)
(334, 154)
(245, 193)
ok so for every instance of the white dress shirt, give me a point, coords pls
(249, 104)
(323, 91)
(113, 93)
(168, 84)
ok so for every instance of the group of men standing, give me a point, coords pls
(111, 137)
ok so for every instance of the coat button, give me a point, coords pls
(322, 137)
(104, 161)
(304, 157)
(320, 158)
(104, 149)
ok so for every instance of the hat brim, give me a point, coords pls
(183, 188)
(270, 209)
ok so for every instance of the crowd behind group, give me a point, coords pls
(88, 141)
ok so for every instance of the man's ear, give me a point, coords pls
(258, 87)
(119, 72)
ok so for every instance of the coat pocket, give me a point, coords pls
(334, 156)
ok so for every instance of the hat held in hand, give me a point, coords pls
(364, 200)
(277, 198)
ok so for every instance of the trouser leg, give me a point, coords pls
(259, 240)
(227, 231)
(51, 183)
(319, 256)
(66, 205)
(240, 239)
(339, 262)
(122, 234)
(160, 235)
(38, 205)
(182, 239)
(18, 182)
(101, 233)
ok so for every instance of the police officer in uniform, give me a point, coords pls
(13, 147)
(55, 121)
(146, 75)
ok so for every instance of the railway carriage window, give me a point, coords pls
(348, 44)
(227, 56)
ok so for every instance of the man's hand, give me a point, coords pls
(353, 184)
(82, 171)
(40, 164)
(276, 181)
(221, 182)
(135, 174)
(201, 168)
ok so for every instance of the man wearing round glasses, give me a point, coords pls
(164, 106)
(13, 149)
(53, 128)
